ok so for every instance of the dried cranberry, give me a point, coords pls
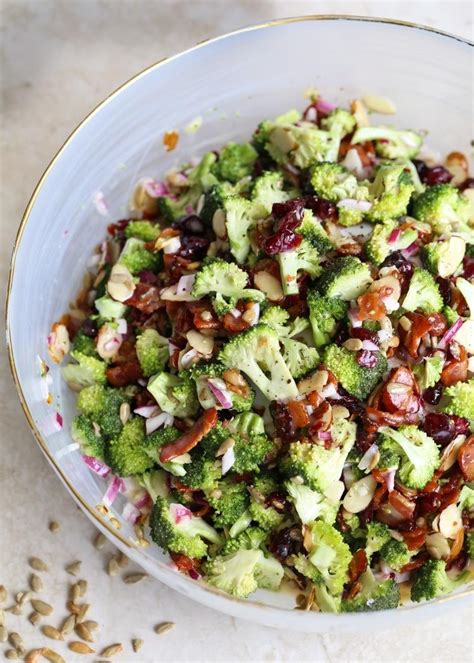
(459, 562)
(404, 267)
(440, 427)
(468, 267)
(147, 276)
(190, 224)
(280, 242)
(284, 238)
(467, 184)
(433, 175)
(429, 503)
(364, 334)
(284, 543)
(321, 208)
(283, 420)
(89, 328)
(353, 404)
(461, 425)
(367, 358)
(444, 286)
(193, 246)
(280, 210)
(278, 501)
(341, 336)
(433, 394)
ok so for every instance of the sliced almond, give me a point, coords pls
(218, 224)
(437, 546)
(458, 166)
(225, 446)
(360, 495)
(202, 344)
(315, 382)
(450, 521)
(269, 285)
(360, 113)
(379, 104)
(142, 200)
(120, 285)
(58, 342)
(450, 453)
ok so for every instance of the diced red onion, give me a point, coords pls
(143, 501)
(122, 326)
(355, 205)
(185, 284)
(163, 419)
(189, 209)
(146, 411)
(112, 491)
(235, 313)
(178, 513)
(220, 392)
(394, 235)
(194, 574)
(228, 459)
(311, 114)
(155, 189)
(449, 334)
(353, 315)
(67, 449)
(130, 513)
(352, 162)
(112, 344)
(324, 435)
(370, 345)
(324, 106)
(410, 250)
(53, 423)
(368, 457)
(97, 466)
(171, 348)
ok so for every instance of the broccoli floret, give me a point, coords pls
(445, 209)
(390, 192)
(103, 406)
(136, 257)
(378, 535)
(229, 501)
(109, 309)
(346, 279)
(256, 353)
(310, 505)
(235, 162)
(91, 400)
(153, 444)
(126, 454)
(250, 539)
(450, 314)
(334, 182)
(443, 257)
(144, 230)
(226, 282)
(429, 371)
(431, 580)
(324, 314)
(85, 345)
(390, 143)
(302, 144)
(339, 121)
(419, 454)
(380, 245)
(86, 372)
(174, 528)
(174, 394)
(152, 352)
(373, 595)
(267, 190)
(213, 200)
(202, 372)
(247, 423)
(312, 230)
(358, 380)
(396, 554)
(239, 219)
(299, 357)
(90, 439)
(265, 515)
(242, 572)
(470, 545)
(202, 472)
(423, 293)
(320, 467)
(155, 483)
(304, 258)
(460, 399)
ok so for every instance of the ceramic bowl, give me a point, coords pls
(232, 83)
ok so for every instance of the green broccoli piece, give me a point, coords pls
(470, 545)
(239, 220)
(241, 525)
(174, 394)
(229, 500)
(109, 309)
(153, 444)
(390, 143)
(339, 121)
(136, 257)
(155, 483)
(203, 472)
(396, 554)
(450, 314)
(431, 580)
(152, 352)
(301, 144)
(91, 400)
(324, 314)
(256, 352)
(429, 371)
(243, 572)
(390, 192)
(226, 282)
(444, 257)
(90, 439)
(460, 399)
(126, 454)
(300, 358)
(320, 467)
(144, 230)
(378, 535)
(265, 515)
(346, 279)
(103, 406)
(309, 504)
(86, 372)
(175, 529)
(202, 372)
(251, 538)
(445, 209)
(267, 190)
(312, 230)
(373, 595)
(334, 182)
(235, 162)
(247, 424)
(418, 453)
(358, 380)
(213, 200)
(423, 293)
(304, 258)
(85, 345)
(379, 246)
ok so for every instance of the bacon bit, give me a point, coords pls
(390, 418)
(401, 504)
(185, 564)
(124, 374)
(234, 325)
(354, 590)
(414, 564)
(349, 249)
(146, 298)
(466, 459)
(400, 392)
(298, 413)
(357, 565)
(191, 438)
(420, 326)
(200, 323)
(364, 150)
(200, 506)
(415, 538)
(379, 495)
(314, 398)
(371, 307)
(322, 418)
(170, 140)
(455, 370)
(175, 267)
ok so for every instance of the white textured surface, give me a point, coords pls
(61, 59)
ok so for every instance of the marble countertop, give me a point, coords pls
(60, 57)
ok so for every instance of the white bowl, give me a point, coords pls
(232, 82)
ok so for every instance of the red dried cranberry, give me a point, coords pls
(321, 208)
(467, 184)
(341, 336)
(444, 286)
(461, 425)
(404, 267)
(459, 562)
(285, 542)
(429, 503)
(433, 394)
(147, 276)
(364, 334)
(283, 420)
(436, 175)
(280, 210)
(367, 358)
(193, 247)
(277, 500)
(280, 242)
(89, 328)
(468, 266)
(353, 404)
(190, 224)
(284, 238)
(440, 427)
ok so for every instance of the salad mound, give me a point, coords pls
(274, 362)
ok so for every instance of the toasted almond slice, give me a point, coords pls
(458, 166)
(450, 521)
(360, 113)
(120, 285)
(202, 344)
(379, 104)
(437, 546)
(142, 200)
(218, 224)
(360, 494)
(269, 285)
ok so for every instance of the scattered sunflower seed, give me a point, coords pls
(34, 618)
(137, 644)
(36, 583)
(2, 617)
(83, 610)
(11, 654)
(300, 600)
(100, 541)
(75, 592)
(51, 632)
(122, 560)
(91, 624)
(42, 607)
(23, 597)
(112, 650)
(80, 647)
(83, 632)
(16, 610)
(51, 655)
(143, 543)
(21, 651)
(133, 578)
(74, 567)
(37, 564)
(112, 567)
(115, 522)
(33, 655)
(164, 627)
(3, 594)
(53, 526)
(82, 584)
(73, 607)
(15, 639)
(68, 625)
(3, 634)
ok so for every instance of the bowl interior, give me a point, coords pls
(232, 83)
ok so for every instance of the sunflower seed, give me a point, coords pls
(82, 584)
(42, 607)
(112, 567)
(83, 632)
(112, 650)
(37, 564)
(100, 541)
(164, 627)
(23, 597)
(122, 560)
(51, 632)
(3, 594)
(137, 644)
(15, 610)
(68, 625)
(83, 610)
(73, 607)
(80, 647)
(115, 523)
(51, 655)
(74, 567)
(33, 655)
(36, 583)
(2, 617)
(3, 634)
(133, 578)
(11, 654)
(143, 543)
(34, 618)
(91, 625)
(21, 651)
(74, 592)
(15, 639)
(53, 526)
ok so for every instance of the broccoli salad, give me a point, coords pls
(274, 363)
